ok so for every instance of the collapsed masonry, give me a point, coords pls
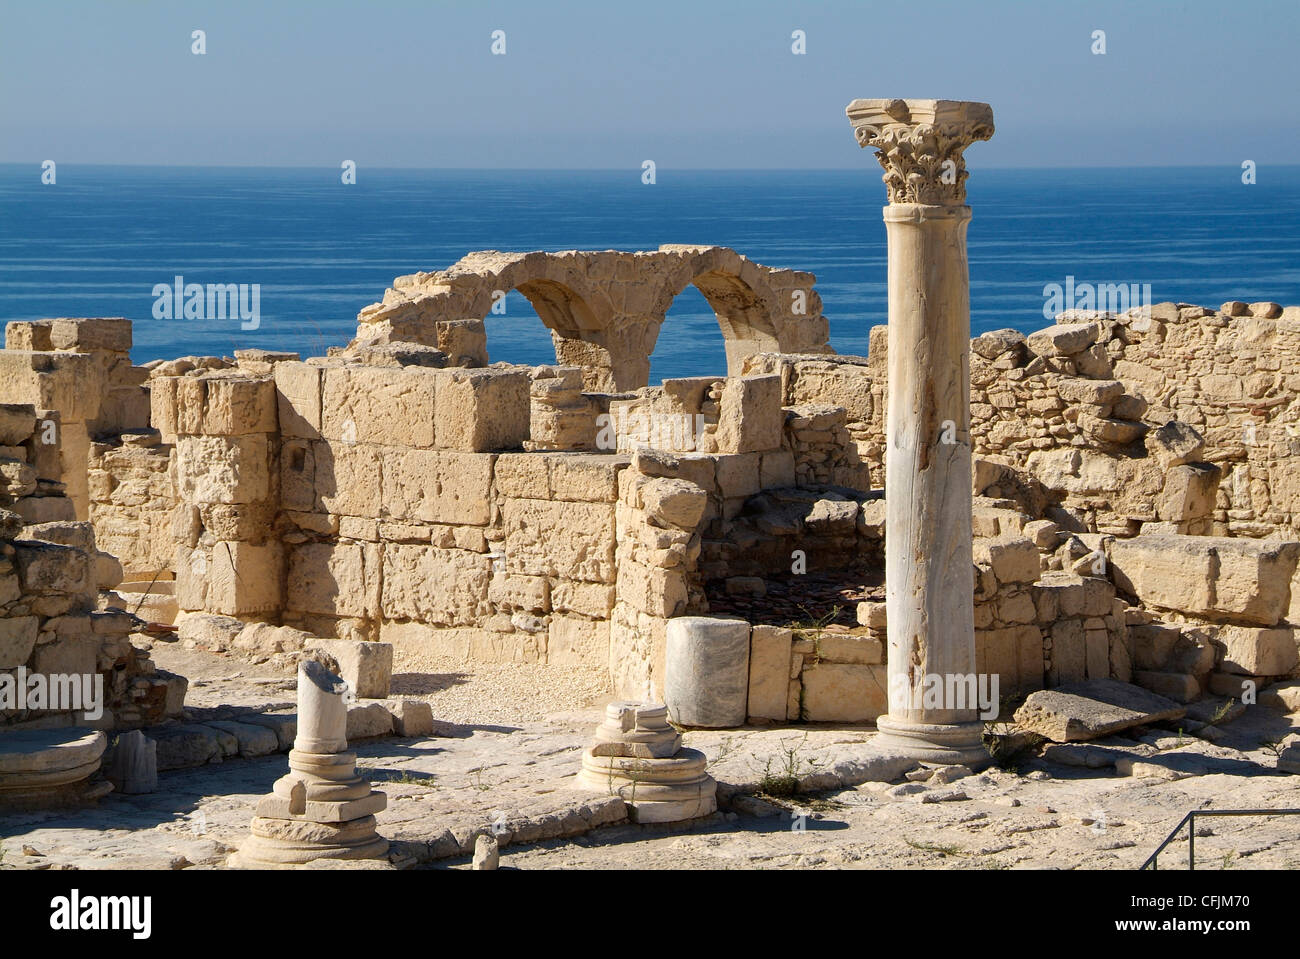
(403, 490)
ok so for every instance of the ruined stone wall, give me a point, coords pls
(51, 621)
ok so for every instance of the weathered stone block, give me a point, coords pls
(366, 667)
(1215, 576)
(751, 418)
(336, 580)
(17, 640)
(570, 540)
(221, 469)
(838, 692)
(244, 579)
(298, 399)
(438, 486)
(349, 479)
(572, 640)
(436, 586)
(769, 672)
(482, 410)
(391, 406)
(1258, 652)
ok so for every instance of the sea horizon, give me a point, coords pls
(320, 250)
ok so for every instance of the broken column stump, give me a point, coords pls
(322, 809)
(638, 756)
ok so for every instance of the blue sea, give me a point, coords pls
(96, 242)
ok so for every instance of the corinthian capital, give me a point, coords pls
(919, 144)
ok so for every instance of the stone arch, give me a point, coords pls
(753, 304)
(605, 308)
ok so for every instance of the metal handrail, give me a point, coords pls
(1190, 821)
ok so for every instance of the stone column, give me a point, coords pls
(928, 566)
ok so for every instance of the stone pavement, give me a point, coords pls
(1099, 805)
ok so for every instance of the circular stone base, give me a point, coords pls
(655, 790)
(40, 767)
(284, 842)
(956, 744)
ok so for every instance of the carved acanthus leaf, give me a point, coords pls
(923, 163)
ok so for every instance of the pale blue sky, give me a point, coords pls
(610, 83)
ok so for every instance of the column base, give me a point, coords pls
(955, 744)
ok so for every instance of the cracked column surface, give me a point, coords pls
(928, 565)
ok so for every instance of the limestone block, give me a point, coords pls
(463, 341)
(17, 423)
(298, 399)
(366, 667)
(411, 717)
(1244, 579)
(438, 486)
(47, 568)
(1092, 709)
(220, 469)
(253, 739)
(751, 418)
(391, 406)
(84, 334)
(776, 469)
(1069, 651)
(570, 540)
(593, 600)
(44, 449)
(706, 681)
(1175, 444)
(1258, 652)
(349, 478)
(516, 591)
(437, 586)
(298, 475)
(336, 580)
(72, 383)
(1013, 558)
(28, 335)
(283, 726)
(673, 503)
(17, 640)
(68, 656)
(572, 640)
(245, 579)
(482, 410)
(1188, 493)
(523, 476)
(1064, 339)
(659, 592)
(740, 474)
(839, 692)
(585, 476)
(769, 672)
(1014, 654)
(162, 406)
(849, 648)
(368, 720)
(236, 404)
(1178, 687)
